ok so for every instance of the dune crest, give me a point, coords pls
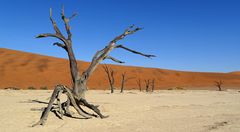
(23, 70)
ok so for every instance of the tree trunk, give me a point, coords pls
(219, 85)
(79, 84)
(153, 85)
(147, 82)
(139, 84)
(123, 82)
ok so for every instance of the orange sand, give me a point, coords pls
(21, 69)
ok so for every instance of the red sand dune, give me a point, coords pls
(22, 70)
(235, 72)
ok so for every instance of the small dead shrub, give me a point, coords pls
(44, 88)
(12, 88)
(31, 88)
(177, 88)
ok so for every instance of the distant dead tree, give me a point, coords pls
(219, 84)
(124, 80)
(110, 75)
(76, 94)
(147, 83)
(153, 85)
(139, 83)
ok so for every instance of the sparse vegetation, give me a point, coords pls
(44, 88)
(177, 88)
(31, 88)
(12, 88)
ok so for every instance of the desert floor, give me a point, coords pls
(132, 111)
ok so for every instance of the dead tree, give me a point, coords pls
(153, 85)
(147, 83)
(110, 74)
(76, 94)
(139, 84)
(219, 85)
(124, 80)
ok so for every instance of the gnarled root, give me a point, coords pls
(66, 110)
(92, 107)
(63, 108)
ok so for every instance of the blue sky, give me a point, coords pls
(189, 35)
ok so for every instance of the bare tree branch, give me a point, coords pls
(102, 54)
(73, 15)
(60, 45)
(58, 32)
(66, 21)
(114, 59)
(97, 55)
(128, 31)
(135, 52)
(46, 35)
(51, 35)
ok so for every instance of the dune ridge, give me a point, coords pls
(22, 69)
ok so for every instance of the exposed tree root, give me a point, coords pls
(63, 109)
(66, 110)
(92, 107)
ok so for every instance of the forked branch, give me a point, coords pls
(66, 23)
(104, 53)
